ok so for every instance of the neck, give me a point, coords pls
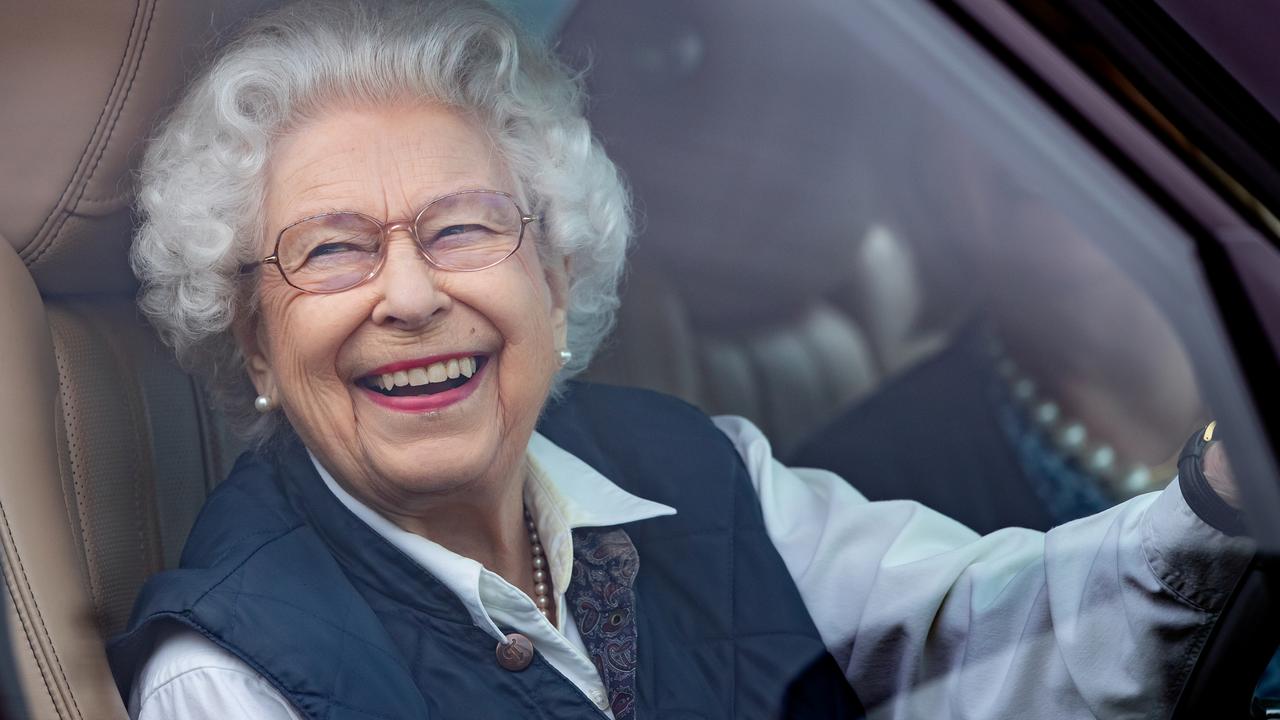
(491, 529)
(484, 522)
(486, 525)
(480, 518)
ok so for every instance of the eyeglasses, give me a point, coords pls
(462, 231)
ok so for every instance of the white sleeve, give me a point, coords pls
(1102, 617)
(189, 677)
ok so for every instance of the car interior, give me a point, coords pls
(109, 450)
(780, 271)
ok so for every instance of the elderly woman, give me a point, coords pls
(389, 232)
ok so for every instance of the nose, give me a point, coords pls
(410, 296)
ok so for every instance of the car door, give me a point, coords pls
(964, 253)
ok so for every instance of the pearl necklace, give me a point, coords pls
(1071, 438)
(541, 582)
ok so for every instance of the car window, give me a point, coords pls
(864, 234)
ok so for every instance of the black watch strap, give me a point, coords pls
(1199, 494)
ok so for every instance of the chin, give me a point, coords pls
(436, 466)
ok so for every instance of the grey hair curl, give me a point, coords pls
(202, 177)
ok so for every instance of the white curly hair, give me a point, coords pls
(202, 176)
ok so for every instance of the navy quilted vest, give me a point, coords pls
(278, 571)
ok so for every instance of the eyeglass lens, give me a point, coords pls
(463, 231)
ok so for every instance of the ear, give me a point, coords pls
(558, 283)
(256, 363)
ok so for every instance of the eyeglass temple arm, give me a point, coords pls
(250, 267)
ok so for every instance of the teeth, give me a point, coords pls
(436, 373)
(433, 373)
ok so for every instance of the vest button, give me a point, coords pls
(515, 652)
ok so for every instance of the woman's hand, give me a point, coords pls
(1217, 470)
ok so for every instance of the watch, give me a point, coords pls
(1199, 494)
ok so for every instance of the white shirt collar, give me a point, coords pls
(589, 499)
(562, 493)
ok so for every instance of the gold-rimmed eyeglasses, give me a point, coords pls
(463, 231)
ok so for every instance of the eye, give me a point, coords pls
(463, 237)
(330, 249)
(461, 230)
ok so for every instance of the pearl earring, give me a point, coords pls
(565, 356)
(263, 403)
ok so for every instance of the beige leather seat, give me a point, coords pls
(106, 448)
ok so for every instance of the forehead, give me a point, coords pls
(385, 162)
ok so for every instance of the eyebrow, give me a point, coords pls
(317, 210)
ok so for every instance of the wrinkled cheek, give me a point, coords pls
(313, 396)
(523, 381)
(293, 369)
(307, 400)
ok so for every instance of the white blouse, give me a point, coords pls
(1095, 618)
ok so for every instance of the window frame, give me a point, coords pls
(1218, 193)
(1218, 229)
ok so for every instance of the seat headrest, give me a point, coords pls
(83, 83)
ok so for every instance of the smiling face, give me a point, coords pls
(325, 358)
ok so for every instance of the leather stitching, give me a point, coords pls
(142, 514)
(28, 599)
(124, 99)
(70, 425)
(109, 201)
(145, 513)
(58, 345)
(53, 226)
(49, 230)
(114, 106)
